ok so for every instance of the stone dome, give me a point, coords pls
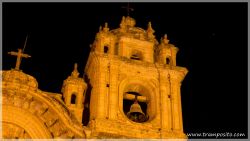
(18, 77)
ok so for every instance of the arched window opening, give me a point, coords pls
(168, 60)
(106, 49)
(73, 99)
(136, 55)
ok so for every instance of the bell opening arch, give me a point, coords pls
(133, 91)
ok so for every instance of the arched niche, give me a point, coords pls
(105, 49)
(136, 55)
(73, 98)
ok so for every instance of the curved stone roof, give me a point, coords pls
(17, 76)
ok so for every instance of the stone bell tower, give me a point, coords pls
(135, 84)
(74, 89)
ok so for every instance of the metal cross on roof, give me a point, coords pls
(128, 9)
(19, 55)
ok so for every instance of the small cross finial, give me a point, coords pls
(19, 55)
(128, 9)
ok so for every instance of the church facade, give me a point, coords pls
(130, 89)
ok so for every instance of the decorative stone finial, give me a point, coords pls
(165, 40)
(100, 28)
(150, 31)
(106, 29)
(123, 24)
(75, 72)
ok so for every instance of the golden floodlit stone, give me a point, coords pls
(130, 89)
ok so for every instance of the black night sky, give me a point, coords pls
(212, 38)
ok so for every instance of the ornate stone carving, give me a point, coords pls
(128, 29)
(136, 72)
(18, 77)
(11, 131)
(49, 110)
(165, 40)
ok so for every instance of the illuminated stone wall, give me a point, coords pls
(126, 66)
(130, 60)
(31, 113)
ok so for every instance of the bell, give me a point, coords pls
(135, 113)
